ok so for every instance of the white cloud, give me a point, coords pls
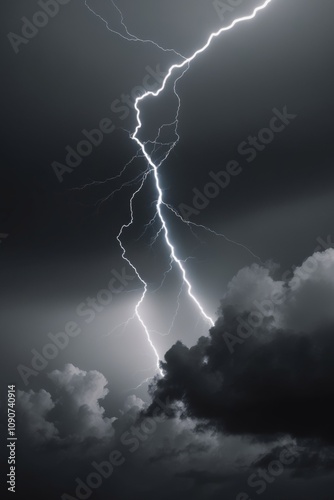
(311, 293)
(80, 395)
(76, 410)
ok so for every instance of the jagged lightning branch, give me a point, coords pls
(191, 224)
(153, 167)
(136, 272)
(129, 36)
(141, 144)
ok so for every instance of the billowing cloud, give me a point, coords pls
(34, 408)
(79, 396)
(251, 287)
(73, 415)
(259, 384)
(310, 297)
(259, 373)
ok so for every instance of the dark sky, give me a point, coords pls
(58, 245)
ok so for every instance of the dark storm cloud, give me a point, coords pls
(189, 449)
(253, 377)
(65, 80)
(202, 476)
(308, 462)
(153, 454)
(228, 406)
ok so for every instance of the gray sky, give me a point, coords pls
(61, 250)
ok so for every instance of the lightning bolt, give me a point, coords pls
(129, 36)
(153, 167)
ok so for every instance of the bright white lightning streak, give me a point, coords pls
(160, 201)
(137, 313)
(154, 167)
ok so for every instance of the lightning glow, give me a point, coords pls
(153, 168)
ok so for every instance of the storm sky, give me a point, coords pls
(253, 165)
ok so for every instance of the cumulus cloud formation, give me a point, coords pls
(80, 393)
(267, 366)
(261, 382)
(250, 287)
(73, 415)
(34, 408)
(301, 300)
(132, 402)
(311, 293)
